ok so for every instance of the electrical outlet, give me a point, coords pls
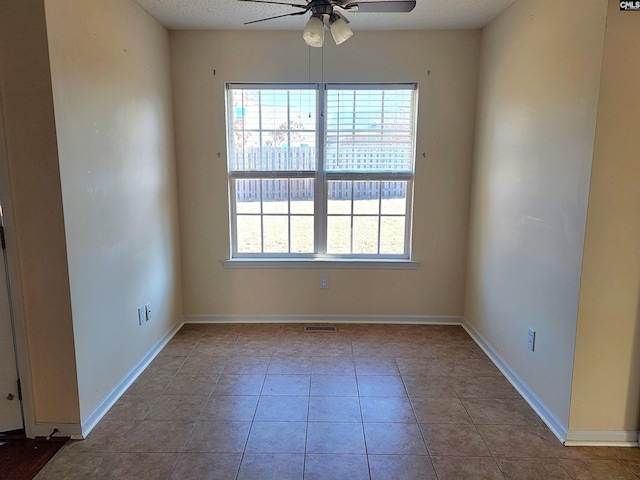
(148, 311)
(324, 282)
(531, 339)
(142, 315)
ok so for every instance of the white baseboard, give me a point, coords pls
(380, 319)
(570, 438)
(602, 438)
(91, 420)
(547, 416)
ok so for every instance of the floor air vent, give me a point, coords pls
(320, 328)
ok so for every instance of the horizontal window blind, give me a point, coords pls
(369, 130)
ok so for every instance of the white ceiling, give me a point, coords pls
(231, 14)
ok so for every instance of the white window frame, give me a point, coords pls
(321, 177)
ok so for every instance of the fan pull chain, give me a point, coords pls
(309, 98)
(322, 69)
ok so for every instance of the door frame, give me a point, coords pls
(13, 267)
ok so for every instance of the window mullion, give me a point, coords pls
(289, 212)
(380, 214)
(353, 191)
(321, 191)
(261, 218)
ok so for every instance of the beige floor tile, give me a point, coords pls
(395, 467)
(185, 408)
(597, 470)
(387, 409)
(165, 364)
(633, 466)
(188, 332)
(131, 407)
(424, 366)
(334, 385)
(500, 411)
(140, 466)
(381, 386)
(178, 347)
(333, 467)
(189, 384)
(226, 331)
(157, 436)
(241, 407)
(107, 436)
(473, 367)
(454, 440)
(269, 466)
(376, 366)
(394, 439)
(484, 387)
(447, 333)
(429, 386)
(218, 437)
(294, 347)
(282, 408)
(339, 349)
(468, 468)
(334, 409)
(257, 331)
(206, 466)
(457, 350)
(439, 410)
(333, 365)
(203, 365)
(532, 469)
(150, 384)
(514, 441)
(214, 348)
(286, 385)
(277, 437)
(238, 385)
(290, 366)
(339, 438)
(253, 348)
(367, 347)
(246, 366)
(76, 466)
(629, 453)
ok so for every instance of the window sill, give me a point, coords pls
(382, 264)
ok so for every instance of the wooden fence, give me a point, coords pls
(304, 158)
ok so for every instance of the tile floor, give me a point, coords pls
(374, 402)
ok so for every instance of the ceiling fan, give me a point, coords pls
(330, 13)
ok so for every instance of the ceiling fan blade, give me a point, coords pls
(387, 6)
(277, 3)
(277, 16)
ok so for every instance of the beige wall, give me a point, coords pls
(445, 134)
(607, 371)
(538, 93)
(112, 95)
(36, 216)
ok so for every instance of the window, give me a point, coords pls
(321, 171)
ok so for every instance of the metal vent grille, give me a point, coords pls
(320, 328)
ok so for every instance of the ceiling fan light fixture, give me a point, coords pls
(314, 32)
(340, 30)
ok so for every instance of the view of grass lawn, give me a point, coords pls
(370, 221)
